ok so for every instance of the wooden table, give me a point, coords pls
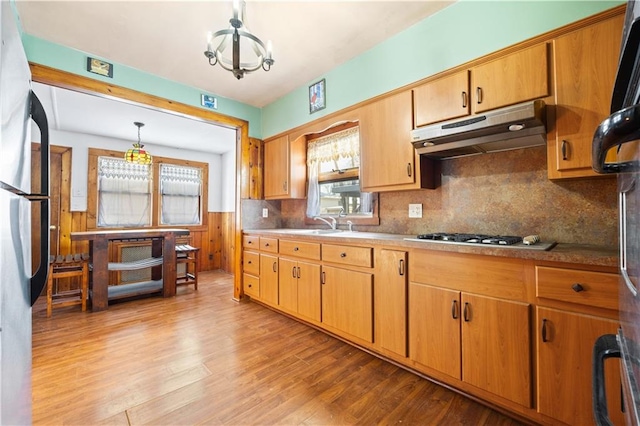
(99, 252)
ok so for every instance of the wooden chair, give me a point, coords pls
(187, 256)
(71, 265)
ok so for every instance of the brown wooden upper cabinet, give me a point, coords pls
(285, 168)
(586, 62)
(517, 77)
(387, 158)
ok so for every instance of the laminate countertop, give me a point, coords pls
(560, 252)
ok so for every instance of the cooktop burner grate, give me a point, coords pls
(471, 238)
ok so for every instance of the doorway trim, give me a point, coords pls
(58, 78)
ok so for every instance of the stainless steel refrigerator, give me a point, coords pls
(620, 135)
(18, 287)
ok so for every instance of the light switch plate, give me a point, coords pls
(415, 210)
(265, 212)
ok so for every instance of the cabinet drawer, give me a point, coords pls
(354, 256)
(572, 285)
(251, 241)
(251, 263)
(251, 285)
(269, 244)
(300, 249)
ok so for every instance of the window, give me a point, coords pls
(124, 193)
(169, 192)
(180, 189)
(333, 162)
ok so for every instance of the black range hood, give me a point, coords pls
(513, 127)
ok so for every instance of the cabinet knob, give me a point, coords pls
(343, 254)
(577, 287)
(296, 249)
(249, 285)
(266, 244)
(249, 262)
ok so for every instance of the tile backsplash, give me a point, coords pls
(504, 193)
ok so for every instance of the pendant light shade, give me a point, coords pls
(137, 154)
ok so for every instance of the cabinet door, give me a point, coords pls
(442, 99)
(288, 285)
(285, 169)
(269, 279)
(515, 78)
(586, 63)
(496, 347)
(276, 168)
(434, 328)
(391, 298)
(387, 156)
(565, 347)
(347, 301)
(309, 291)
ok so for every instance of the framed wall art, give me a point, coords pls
(317, 96)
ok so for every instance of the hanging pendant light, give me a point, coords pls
(219, 41)
(137, 154)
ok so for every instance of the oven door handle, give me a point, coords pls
(620, 127)
(606, 347)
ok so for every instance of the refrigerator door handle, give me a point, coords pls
(620, 127)
(606, 347)
(39, 280)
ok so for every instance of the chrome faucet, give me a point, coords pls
(350, 224)
(331, 224)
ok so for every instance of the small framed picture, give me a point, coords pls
(317, 97)
(100, 67)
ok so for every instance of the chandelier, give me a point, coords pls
(137, 154)
(219, 41)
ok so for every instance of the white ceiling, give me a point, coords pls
(168, 38)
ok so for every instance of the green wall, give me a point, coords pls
(463, 31)
(74, 61)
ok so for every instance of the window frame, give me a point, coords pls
(92, 190)
(335, 176)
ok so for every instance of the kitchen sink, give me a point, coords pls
(313, 231)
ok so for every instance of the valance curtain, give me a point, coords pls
(124, 193)
(180, 188)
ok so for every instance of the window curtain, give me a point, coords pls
(124, 193)
(329, 150)
(180, 188)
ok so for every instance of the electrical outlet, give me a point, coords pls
(415, 210)
(265, 212)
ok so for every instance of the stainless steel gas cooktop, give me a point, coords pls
(507, 241)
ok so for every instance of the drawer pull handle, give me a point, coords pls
(401, 267)
(564, 147)
(409, 168)
(577, 287)
(298, 272)
(322, 278)
(544, 330)
(479, 94)
(464, 99)
(467, 312)
(274, 267)
(293, 272)
(454, 309)
(343, 254)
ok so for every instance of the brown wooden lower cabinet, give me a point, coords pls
(269, 279)
(299, 288)
(391, 300)
(480, 340)
(347, 301)
(565, 346)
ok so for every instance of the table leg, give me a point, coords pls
(100, 259)
(169, 265)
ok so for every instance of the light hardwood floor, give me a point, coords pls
(201, 358)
